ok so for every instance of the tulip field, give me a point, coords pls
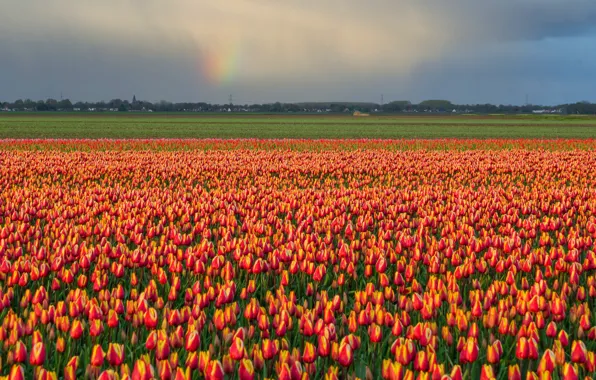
(298, 259)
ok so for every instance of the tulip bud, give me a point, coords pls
(513, 372)
(164, 370)
(38, 354)
(214, 370)
(97, 356)
(16, 373)
(193, 341)
(142, 371)
(578, 352)
(237, 349)
(569, 372)
(345, 354)
(522, 350)
(309, 355)
(162, 350)
(20, 352)
(246, 370)
(115, 354)
(76, 329)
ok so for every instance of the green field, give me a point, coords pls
(94, 126)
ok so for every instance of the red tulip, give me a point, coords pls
(76, 329)
(112, 319)
(182, 374)
(150, 319)
(345, 354)
(375, 334)
(269, 349)
(20, 352)
(16, 373)
(513, 372)
(214, 370)
(108, 374)
(487, 373)
(97, 356)
(309, 354)
(237, 349)
(164, 370)
(162, 350)
(38, 354)
(547, 362)
(142, 371)
(522, 349)
(578, 352)
(246, 370)
(193, 341)
(569, 372)
(115, 354)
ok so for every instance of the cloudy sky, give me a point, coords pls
(467, 51)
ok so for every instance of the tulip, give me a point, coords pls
(112, 319)
(214, 370)
(493, 355)
(193, 341)
(108, 374)
(97, 356)
(522, 349)
(246, 370)
(182, 374)
(551, 329)
(115, 354)
(164, 370)
(513, 372)
(269, 349)
(16, 373)
(150, 319)
(38, 354)
(345, 354)
(20, 352)
(228, 364)
(569, 372)
(60, 344)
(487, 373)
(142, 371)
(76, 330)
(162, 350)
(237, 349)
(309, 354)
(578, 352)
(375, 333)
(547, 362)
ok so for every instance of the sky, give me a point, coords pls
(466, 51)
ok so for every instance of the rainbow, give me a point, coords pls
(220, 66)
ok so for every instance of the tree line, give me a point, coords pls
(442, 106)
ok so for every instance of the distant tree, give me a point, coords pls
(122, 108)
(18, 105)
(396, 106)
(115, 103)
(442, 105)
(42, 106)
(65, 105)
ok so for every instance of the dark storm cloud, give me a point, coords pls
(266, 50)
